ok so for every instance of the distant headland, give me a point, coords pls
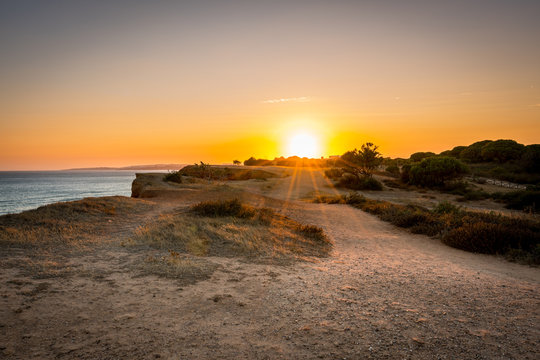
(133, 167)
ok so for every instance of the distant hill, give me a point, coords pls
(134, 167)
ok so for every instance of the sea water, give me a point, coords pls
(24, 190)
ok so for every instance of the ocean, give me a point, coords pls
(24, 190)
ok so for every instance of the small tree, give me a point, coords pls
(361, 162)
(236, 162)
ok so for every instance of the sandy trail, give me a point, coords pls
(384, 293)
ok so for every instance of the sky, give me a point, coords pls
(115, 83)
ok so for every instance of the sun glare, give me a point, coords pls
(303, 145)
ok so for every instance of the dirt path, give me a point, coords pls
(384, 293)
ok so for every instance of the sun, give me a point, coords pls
(303, 144)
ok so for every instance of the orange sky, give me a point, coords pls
(87, 84)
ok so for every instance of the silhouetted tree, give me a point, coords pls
(361, 162)
(236, 162)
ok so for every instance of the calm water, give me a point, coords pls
(24, 190)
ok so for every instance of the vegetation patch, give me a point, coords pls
(352, 182)
(66, 222)
(205, 171)
(527, 200)
(230, 228)
(354, 169)
(516, 238)
(434, 171)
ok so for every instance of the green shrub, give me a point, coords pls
(446, 207)
(502, 151)
(419, 156)
(352, 182)
(456, 151)
(473, 152)
(435, 171)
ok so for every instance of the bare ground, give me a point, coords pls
(384, 293)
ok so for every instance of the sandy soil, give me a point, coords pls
(384, 293)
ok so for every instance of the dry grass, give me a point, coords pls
(229, 228)
(66, 222)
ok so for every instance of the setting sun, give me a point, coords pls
(303, 145)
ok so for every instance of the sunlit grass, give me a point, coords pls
(230, 228)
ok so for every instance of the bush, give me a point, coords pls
(333, 173)
(393, 170)
(494, 234)
(405, 175)
(502, 151)
(419, 156)
(435, 171)
(446, 207)
(456, 151)
(222, 208)
(351, 199)
(174, 176)
(528, 200)
(530, 159)
(473, 152)
(352, 182)
(312, 231)
(479, 237)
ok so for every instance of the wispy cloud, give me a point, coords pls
(284, 100)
